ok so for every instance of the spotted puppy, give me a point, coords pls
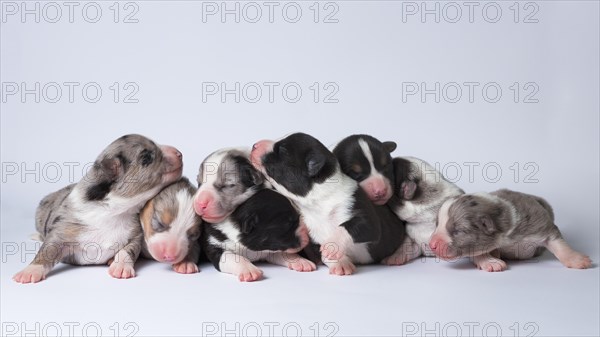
(340, 217)
(502, 224)
(172, 228)
(265, 227)
(95, 221)
(419, 192)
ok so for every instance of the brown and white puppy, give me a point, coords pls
(95, 221)
(172, 228)
(501, 224)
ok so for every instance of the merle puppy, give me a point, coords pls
(95, 221)
(500, 225)
(339, 215)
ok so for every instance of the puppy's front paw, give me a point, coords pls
(577, 261)
(332, 251)
(250, 273)
(121, 270)
(185, 267)
(396, 259)
(301, 264)
(490, 264)
(342, 267)
(31, 274)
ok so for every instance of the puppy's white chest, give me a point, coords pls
(100, 240)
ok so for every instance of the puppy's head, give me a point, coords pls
(268, 221)
(225, 180)
(131, 166)
(368, 161)
(170, 224)
(468, 225)
(294, 164)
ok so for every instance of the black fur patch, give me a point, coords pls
(124, 161)
(98, 191)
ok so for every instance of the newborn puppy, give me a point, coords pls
(501, 224)
(225, 180)
(265, 227)
(172, 228)
(95, 221)
(419, 192)
(337, 212)
(368, 161)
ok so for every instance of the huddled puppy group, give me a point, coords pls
(291, 202)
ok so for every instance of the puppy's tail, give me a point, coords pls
(37, 237)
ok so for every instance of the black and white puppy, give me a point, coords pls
(368, 161)
(416, 189)
(265, 227)
(502, 224)
(419, 192)
(172, 228)
(95, 221)
(339, 215)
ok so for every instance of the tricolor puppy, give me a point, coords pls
(96, 221)
(368, 161)
(225, 180)
(339, 215)
(419, 192)
(172, 228)
(502, 224)
(264, 227)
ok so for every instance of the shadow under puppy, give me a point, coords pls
(172, 228)
(95, 221)
(500, 225)
(339, 215)
(245, 221)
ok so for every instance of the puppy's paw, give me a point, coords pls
(31, 274)
(396, 260)
(332, 251)
(250, 273)
(491, 264)
(342, 267)
(186, 267)
(577, 261)
(301, 264)
(121, 270)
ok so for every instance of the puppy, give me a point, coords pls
(225, 180)
(412, 188)
(501, 224)
(95, 221)
(339, 215)
(368, 161)
(172, 228)
(419, 192)
(264, 227)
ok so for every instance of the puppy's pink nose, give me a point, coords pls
(255, 146)
(380, 193)
(168, 258)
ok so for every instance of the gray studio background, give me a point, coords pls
(497, 94)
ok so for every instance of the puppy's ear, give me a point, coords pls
(105, 174)
(389, 146)
(314, 163)
(249, 223)
(250, 175)
(109, 169)
(486, 224)
(408, 189)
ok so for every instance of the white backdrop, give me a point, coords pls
(497, 94)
